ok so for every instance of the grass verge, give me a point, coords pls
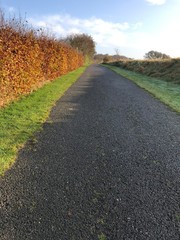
(166, 92)
(19, 120)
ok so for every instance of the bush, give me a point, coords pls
(29, 58)
(106, 59)
(168, 70)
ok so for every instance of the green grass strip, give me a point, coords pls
(21, 119)
(166, 92)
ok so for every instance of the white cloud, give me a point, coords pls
(128, 38)
(156, 2)
(103, 32)
(137, 25)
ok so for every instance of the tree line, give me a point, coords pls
(156, 55)
(83, 43)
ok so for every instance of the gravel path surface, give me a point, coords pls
(105, 166)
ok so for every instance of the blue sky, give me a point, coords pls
(134, 27)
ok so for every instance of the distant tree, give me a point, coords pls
(82, 42)
(106, 59)
(156, 55)
(99, 57)
(117, 51)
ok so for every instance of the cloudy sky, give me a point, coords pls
(134, 27)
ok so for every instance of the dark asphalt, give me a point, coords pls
(105, 166)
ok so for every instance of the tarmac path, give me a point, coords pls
(105, 166)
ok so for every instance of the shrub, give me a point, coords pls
(168, 70)
(29, 58)
(106, 59)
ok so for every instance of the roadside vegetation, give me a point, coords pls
(19, 120)
(29, 58)
(166, 91)
(165, 69)
(83, 43)
(158, 73)
(35, 70)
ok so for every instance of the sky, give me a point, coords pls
(133, 27)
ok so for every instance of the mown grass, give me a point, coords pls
(19, 120)
(164, 69)
(166, 92)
